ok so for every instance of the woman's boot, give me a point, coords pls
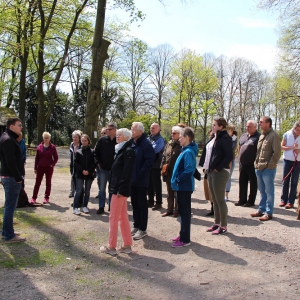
(211, 213)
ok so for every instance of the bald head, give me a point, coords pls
(154, 129)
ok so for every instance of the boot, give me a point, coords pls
(211, 213)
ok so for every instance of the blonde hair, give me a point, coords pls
(46, 134)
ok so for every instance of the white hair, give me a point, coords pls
(46, 134)
(253, 122)
(177, 129)
(126, 133)
(76, 132)
(139, 125)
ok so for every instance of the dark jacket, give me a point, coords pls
(144, 158)
(71, 153)
(121, 171)
(84, 160)
(105, 152)
(222, 154)
(11, 158)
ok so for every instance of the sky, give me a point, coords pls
(234, 28)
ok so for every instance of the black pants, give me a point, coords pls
(155, 186)
(139, 207)
(247, 174)
(184, 209)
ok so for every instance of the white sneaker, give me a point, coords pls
(76, 211)
(85, 210)
(134, 231)
(139, 235)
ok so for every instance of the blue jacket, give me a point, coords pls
(182, 177)
(144, 158)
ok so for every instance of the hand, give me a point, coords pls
(19, 181)
(119, 195)
(216, 170)
(295, 146)
(34, 171)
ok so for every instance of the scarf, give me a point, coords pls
(119, 146)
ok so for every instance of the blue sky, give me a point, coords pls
(235, 28)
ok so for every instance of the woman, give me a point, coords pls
(75, 145)
(183, 183)
(218, 173)
(171, 152)
(45, 159)
(119, 187)
(84, 166)
(204, 163)
(231, 131)
(291, 165)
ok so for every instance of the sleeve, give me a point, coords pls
(92, 166)
(77, 164)
(189, 162)
(164, 158)
(227, 154)
(148, 159)
(37, 158)
(97, 152)
(276, 145)
(55, 156)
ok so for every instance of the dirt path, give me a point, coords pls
(61, 258)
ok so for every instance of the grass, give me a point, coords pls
(64, 170)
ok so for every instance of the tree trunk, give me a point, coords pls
(99, 55)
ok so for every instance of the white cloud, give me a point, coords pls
(255, 23)
(263, 55)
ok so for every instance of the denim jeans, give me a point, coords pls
(287, 197)
(82, 186)
(102, 179)
(266, 187)
(228, 183)
(12, 190)
(184, 209)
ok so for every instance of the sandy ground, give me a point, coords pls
(61, 257)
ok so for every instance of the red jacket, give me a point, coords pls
(45, 158)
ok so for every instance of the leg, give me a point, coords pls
(87, 190)
(287, 165)
(12, 190)
(294, 182)
(156, 180)
(103, 179)
(72, 190)
(135, 207)
(143, 208)
(170, 198)
(184, 208)
(151, 190)
(114, 216)
(262, 190)
(38, 180)
(79, 192)
(48, 174)
(268, 178)
(243, 185)
(253, 184)
(124, 222)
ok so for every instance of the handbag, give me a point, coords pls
(164, 170)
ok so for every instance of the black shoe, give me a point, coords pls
(157, 206)
(108, 207)
(71, 195)
(97, 196)
(100, 211)
(247, 204)
(150, 204)
(72, 205)
(239, 204)
(211, 213)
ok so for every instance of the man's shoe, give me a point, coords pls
(157, 207)
(167, 214)
(282, 204)
(212, 228)
(85, 210)
(150, 204)
(107, 250)
(100, 211)
(124, 249)
(239, 204)
(175, 215)
(15, 239)
(134, 230)
(97, 196)
(257, 214)
(71, 195)
(247, 204)
(180, 244)
(220, 230)
(289, 205)
(265, 218)
(139, 235)
(76, 212)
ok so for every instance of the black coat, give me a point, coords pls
(84, 160)
(105, 152)
(121, 171)
(222, 154)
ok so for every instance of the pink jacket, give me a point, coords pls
(45, 158)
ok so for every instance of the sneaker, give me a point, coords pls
(126, 249)
(107, 250)
(180, 244)
(45, 201)
(226, 199)
(139, 235)
(176, 239)
(134, 231)
(85, 210)
(32, 201)
(220, 230)
(15, 239)
(212, 228)
(76, 211)
(100, 211)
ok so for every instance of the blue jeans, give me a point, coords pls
(102, 179)
(265, 182)
(12, 190)
(184, 210)
(82, 186)
(287, 197)
(228, 183)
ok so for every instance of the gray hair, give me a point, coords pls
(112, 124)
(139, 125)
(76, 132)
(253, 122)
(297, 124)
(177, 129)
(125, 132)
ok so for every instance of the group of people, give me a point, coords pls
(134, 165)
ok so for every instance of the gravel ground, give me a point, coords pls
(61, 257)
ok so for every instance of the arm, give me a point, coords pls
(227, 155)
(55, 156)
(77, 165)
(285, 148)
(148, 156)
(97, 153)
(276, 152)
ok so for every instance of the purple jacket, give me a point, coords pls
(45, 158)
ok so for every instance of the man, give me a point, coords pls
(267, 157)
(144, 158)
(104, 158)
(155, 186)
(12, 173)
(247, 153)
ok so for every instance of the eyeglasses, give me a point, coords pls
(20, 125)
(173, 133)
(110, 129)
(118, 135)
